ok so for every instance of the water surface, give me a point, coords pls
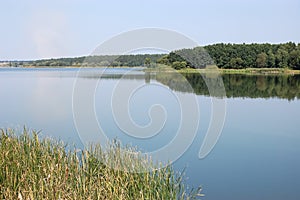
(256, 157)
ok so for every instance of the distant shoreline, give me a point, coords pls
(73, 66)
(247, 71)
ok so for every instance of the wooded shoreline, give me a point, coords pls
(225, 56)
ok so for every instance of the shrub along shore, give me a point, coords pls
(33, 168)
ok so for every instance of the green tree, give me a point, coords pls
(295, 59)
(236, 63)
(282, 57)
(179, 65)
(261, 60)
(147, 61)
(271, 59)
(116, 63)
(164, 60)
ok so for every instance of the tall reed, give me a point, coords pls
(33, 168)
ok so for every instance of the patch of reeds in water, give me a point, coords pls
(33, 168)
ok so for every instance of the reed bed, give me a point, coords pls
(33, 168)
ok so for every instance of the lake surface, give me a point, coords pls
(256, 157)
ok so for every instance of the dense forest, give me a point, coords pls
(226, 56)
(239, 56)
(236, 56)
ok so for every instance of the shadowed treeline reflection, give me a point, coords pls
(251, 86)
(236, 85)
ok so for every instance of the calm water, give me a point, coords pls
(257, 155)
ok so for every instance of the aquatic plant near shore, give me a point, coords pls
(33, 168)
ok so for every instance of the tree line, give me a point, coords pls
(236, 56)
(225, 56)
(96, 61)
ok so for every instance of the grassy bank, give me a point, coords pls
(33, 168)
(214, 69)
(247, 71)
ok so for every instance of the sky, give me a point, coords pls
(32, 29)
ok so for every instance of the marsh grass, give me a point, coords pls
(33, 168)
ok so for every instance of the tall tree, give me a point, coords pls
(179, 64)
(236, 63)
(295, 59)
(271, 59)
(282, 57)
(147, 61)
(261, 60)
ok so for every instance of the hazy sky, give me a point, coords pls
(65, 28)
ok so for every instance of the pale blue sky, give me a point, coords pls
(66, 28)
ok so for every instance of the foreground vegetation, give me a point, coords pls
(33, 168)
